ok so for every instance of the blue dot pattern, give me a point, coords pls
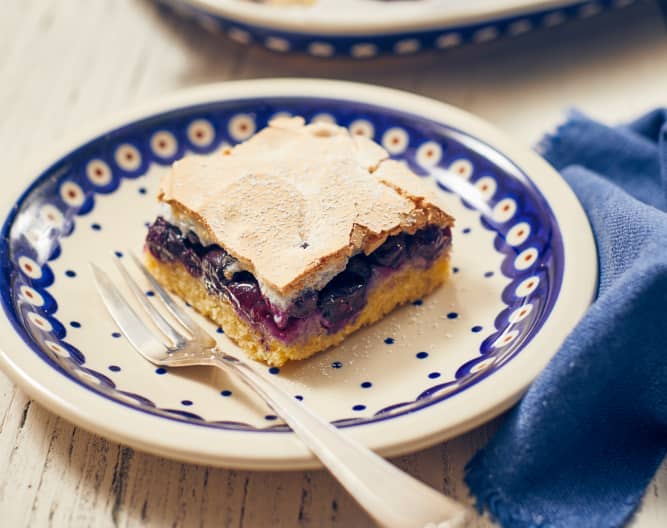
(359, 408)
(434, 375)
(452, 315)
(75, 324)
(274, 370)
(226, 393)
(389, 341)
(187, 403)
(114, 368)
(543, 233)
(363, 45)
(476, 329)
(366, 385)
(160, 371)
(422, 355)
(337, 365)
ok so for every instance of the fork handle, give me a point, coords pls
(390, 496)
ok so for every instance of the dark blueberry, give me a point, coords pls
(304, 305)
(250, 299)
(192, 262)
(244, 276)
(342, 299)
(392, 253)
(192, 238)
(213, 265)
(164, 240)
(358, 265)
(428, 243)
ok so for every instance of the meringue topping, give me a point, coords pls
(296, 201)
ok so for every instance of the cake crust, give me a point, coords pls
(297, 199)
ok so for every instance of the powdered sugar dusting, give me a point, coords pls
(295, 202)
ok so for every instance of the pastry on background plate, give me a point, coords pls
(296, 238)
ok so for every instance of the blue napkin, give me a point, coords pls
(584, 442)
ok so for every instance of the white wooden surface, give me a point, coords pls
(65, 63)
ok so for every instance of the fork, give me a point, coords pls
(390, 496)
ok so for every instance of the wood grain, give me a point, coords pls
(67, 63)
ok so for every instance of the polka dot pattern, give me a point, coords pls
(429, 154)
(201, 133)
(527, 286)
(128, 157)
(321, 49)
(521, 235)
(362, 127)
(518, 234)
(72, 194)
(362, 45)
(526, 259)
(241, 127)
(51, 216)
(31, 296)
(364, 50)
(164, 144)
(395, 140)
(29, 267)
(277, 44)
(504, 210)
(462, 168)
(486, 186)
(521, 313)
(98, 172)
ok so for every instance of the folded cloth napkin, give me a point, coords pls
(583, 444)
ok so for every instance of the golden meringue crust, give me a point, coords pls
(296, 200)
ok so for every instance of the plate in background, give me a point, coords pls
(363, 29)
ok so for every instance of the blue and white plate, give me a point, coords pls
(524, 272)
(364, 29)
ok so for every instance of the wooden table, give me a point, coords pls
(65, 63)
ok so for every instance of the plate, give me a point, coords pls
(524, 273)
(363, 29)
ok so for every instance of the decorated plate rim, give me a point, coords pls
(416, 430)
(396, 19)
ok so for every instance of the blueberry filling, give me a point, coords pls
(337, 304)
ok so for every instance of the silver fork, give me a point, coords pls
(393, 498)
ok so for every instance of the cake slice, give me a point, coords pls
(296, 238)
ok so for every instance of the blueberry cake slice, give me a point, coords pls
(296, 238)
